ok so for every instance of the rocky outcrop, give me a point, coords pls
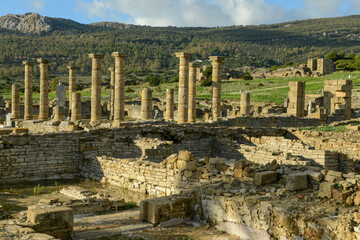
(27, 23)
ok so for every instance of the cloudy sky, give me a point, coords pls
(184, 12)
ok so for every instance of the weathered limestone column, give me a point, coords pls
(76, 107)
(217, 63)
(183, 86)
(119, 101)
(44, 89)
(112, 91)
(15, 102)
(28, 99)
(58, 113)
(72, 83)
(192, 92)
(169, 114)
(146, 104)
(245, 104)
(96, 88)
(296, 99)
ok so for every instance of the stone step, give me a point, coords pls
(107, 232)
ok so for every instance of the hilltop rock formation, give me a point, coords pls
(27, 23)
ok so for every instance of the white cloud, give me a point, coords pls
(37, 5)
(210, 12)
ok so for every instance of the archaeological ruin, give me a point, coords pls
(255, 172)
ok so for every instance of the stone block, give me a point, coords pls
(186, 156)
(238, 173)
(263, 178)
(316, 176)
(56, 221)
(325, 189)
(340, 196)
(296, 181)
(242, 231)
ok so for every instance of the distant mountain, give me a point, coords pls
(27, 23)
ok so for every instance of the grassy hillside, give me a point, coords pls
(153, 48)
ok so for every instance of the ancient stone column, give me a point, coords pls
(72, 83)
(28, 98)
(96, 88)
(112, 91)
(296, 99)
(15, 102)
(146, 104)
(58, 113)
(245, 104)
(183, 86)
(119, 101)
(217, 63)
(44, 89)
(76, 107)
(169, 114)
(192, 92)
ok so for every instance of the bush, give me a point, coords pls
(206, 82)
(54, 82)
(79, 87)
(154, 81)
(247, 76)
(129, 90)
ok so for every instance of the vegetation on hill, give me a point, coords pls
(153, 48)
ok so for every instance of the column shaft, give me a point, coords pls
(15, 102)
(44, 90)
(96, 88)
(169, 114)
(192, 92)
(183, 86)
(72, 83)
(76, 107)
(119, 101)
(245, 104)
(112, 92)
(146, 104)
(217, 63)
(28, 98)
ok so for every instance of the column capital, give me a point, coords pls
(217, 58)
(119, 55)
(96, 56)
(71, 67)
(194, 64)
(183, 55)
(28, 62)
(41, 60)
(111, 69)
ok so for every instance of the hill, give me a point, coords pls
(31, 36)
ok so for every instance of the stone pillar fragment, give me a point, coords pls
(217, 63)
(192, 92)
(112, 92)
(58, 113)
(296, 99)
(183, 86)
(146, 104)
(119, 101)
(337, 97)
(76, 107)
(28, 98)
(96, 89)
(44, 90)
(15, 102)
(169, 114)
(72, 83)
(245, 104)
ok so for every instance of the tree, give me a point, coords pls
(54, 82)
(154, 81)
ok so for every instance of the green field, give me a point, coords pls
(273, 90)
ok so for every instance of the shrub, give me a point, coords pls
(129, 90)
(154, 81)
(247, 76)
(206, 82)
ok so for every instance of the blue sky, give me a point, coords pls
(184, 12)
